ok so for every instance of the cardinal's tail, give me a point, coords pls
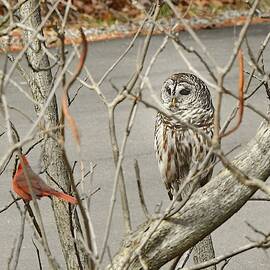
(65, 197)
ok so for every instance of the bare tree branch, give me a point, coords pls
(180, 232)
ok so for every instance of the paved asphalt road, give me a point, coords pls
(92, 119)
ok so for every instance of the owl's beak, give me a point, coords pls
(173, 103)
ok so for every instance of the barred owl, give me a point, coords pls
(177, 147)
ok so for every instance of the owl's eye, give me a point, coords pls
(184, 91)
(168, 90)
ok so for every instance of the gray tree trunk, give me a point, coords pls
(52, 152)
(204, 251)
(206, 210)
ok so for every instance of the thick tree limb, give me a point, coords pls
(206, 210)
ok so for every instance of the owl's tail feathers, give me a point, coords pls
(170, 195)
(169, 189)
(173, 191)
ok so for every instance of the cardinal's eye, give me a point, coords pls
(184, 91)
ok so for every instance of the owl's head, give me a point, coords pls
(184, 93)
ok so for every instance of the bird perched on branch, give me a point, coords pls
(179, 148)
(40, 188)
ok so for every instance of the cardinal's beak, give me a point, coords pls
(173, 103)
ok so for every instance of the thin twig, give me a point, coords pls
(140, 189)
(119, 155)
(262, 48)
(33, 146)
(192, 33)
(177, 259)
(226, 262)
(262, 244)
(186, 257)
(38, 255)
(131, 44)
(17, 250)
(117, 179)
(10, 204)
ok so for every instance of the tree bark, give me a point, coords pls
(53, 155)
(206, 210)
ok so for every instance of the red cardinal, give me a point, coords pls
(40, 188)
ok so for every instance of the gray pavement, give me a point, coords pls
(91, 116)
